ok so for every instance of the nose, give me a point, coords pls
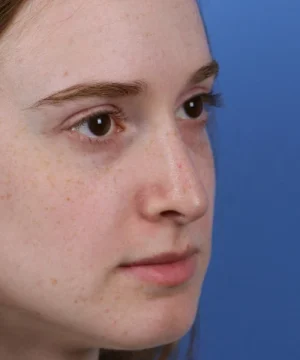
(174, 189)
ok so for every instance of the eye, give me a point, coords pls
(99, 125)
(192, 108)
(197, 105)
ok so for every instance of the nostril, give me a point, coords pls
(170, 213)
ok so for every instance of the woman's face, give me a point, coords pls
(78, 197)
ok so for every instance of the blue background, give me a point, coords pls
(250, 307)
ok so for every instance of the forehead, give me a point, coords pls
(115, 40)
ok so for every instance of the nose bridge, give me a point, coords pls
(175, 187)
(180, 173)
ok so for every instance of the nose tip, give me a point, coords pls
(180, 204)
(189, 206)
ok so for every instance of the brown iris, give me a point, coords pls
(194, 107)
(100, 124)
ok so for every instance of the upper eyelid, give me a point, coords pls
(120, 112)
(196, 90)
(98, 112)
(112, 109)
(117, 109)
(79, 117)
(119, 106)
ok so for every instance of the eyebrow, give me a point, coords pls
(118, 90)
(205, 72)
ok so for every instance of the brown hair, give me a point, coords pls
(8, 10)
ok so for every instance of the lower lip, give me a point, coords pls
(173, 274)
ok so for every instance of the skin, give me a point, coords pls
(72, 212)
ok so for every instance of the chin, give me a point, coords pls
(153, 336)
(160, 324)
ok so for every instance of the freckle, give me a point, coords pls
(152, 142)
(54, 281)
(66, 73)
(50, 179)
(68, 199)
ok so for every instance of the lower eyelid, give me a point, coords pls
(96, 143)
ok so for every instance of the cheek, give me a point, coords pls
(65, 220)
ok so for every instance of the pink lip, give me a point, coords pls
(164, 258)
(167, 269)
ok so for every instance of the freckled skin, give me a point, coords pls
(70, 216)
(54, 281)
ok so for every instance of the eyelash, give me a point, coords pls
(210, 99)
(117, 116)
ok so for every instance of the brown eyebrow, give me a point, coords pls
(205, 72)
(97, 89)
(117, 90)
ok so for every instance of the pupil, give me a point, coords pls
(194, 107)
(99, 125)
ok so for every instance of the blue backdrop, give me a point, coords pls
(250, 307)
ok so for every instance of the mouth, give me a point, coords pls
(166, 269)
(164, 258)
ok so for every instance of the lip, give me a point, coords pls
(163, 258)
(167, 269)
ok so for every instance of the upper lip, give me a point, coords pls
(164, 258)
